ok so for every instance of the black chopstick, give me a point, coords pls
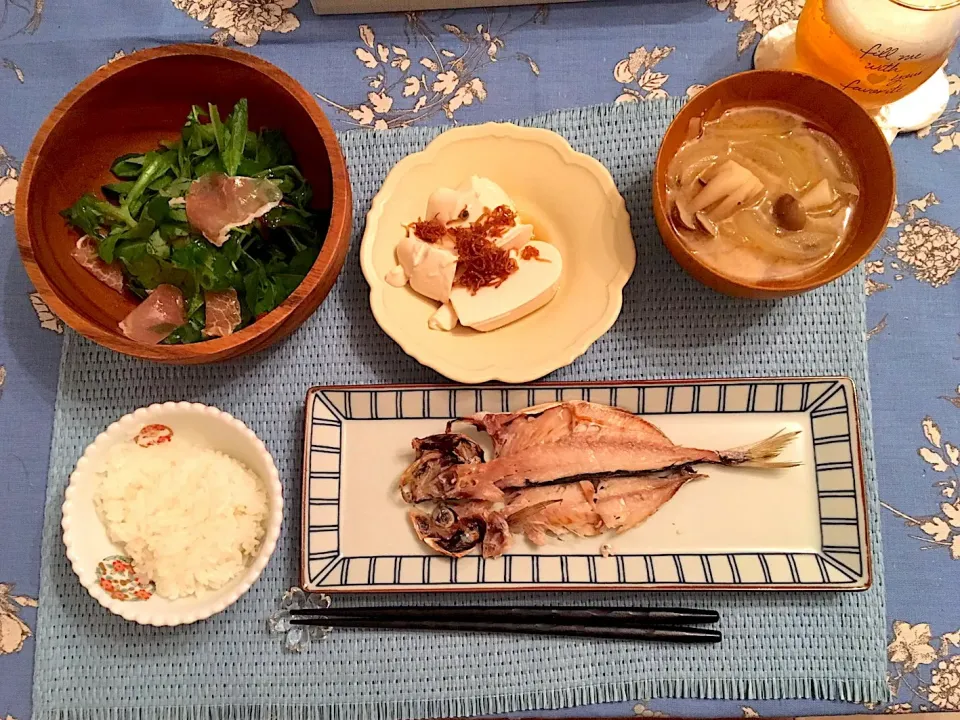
(592, 616)
(673, 633)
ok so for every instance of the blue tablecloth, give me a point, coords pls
(469, 66)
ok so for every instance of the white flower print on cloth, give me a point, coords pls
(9, 179)
(639, 78)
(927, 668)
(13, 630)
(20, 17)
(48, 320)
(758, 17)
(955, 399)
(909, 210)
(8, 64)
(871, 285)
(924, 248)
(898, 709)
(911, 646)
(242, 20)
(946, 129)
(641, 710)
(407, 84)
(878, 328)
(941, 530)
(944, 688)
(116, 56)
(930, 250)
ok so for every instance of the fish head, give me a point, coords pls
(459, 448)
(448, 532)
(436, 454)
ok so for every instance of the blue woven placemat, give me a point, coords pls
(91, 665)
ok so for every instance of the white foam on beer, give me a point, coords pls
(867, 23)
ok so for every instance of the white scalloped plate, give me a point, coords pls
(86, 538)
(572, 202)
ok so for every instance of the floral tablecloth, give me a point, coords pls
(384, 71)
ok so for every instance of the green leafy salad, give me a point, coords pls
(142, 227)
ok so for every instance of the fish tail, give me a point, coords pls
(762, 453)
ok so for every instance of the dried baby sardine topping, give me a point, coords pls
(430, 231)
(480, 262)
(529, 252)
(494, 223)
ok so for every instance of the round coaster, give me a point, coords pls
(775, 49)
(918, 109)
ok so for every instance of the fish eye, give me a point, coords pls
(444, 516)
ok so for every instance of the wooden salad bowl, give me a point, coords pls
(130, 105)
(828, 108)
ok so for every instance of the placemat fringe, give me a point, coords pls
(839, 690)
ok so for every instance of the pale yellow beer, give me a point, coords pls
(877, 51)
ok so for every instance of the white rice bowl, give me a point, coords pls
(228, 527)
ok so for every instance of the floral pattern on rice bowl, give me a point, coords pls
(119, 579)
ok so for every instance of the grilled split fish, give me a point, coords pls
(561, 468)
(585, 509)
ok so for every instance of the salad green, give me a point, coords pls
(142, 224)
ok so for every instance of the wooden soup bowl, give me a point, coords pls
(832, 111)
(130, 105)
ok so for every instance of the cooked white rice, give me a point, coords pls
(191, 518)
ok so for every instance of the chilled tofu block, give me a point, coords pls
(516, 237)
(532, 286)
(466, 203)
(429, 268)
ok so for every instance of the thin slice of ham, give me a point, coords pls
(156, 317)
(222, 312)
(217, 203)
(85, 253)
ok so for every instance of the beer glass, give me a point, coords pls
(877, 51)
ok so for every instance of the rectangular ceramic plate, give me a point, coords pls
(802, 528)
